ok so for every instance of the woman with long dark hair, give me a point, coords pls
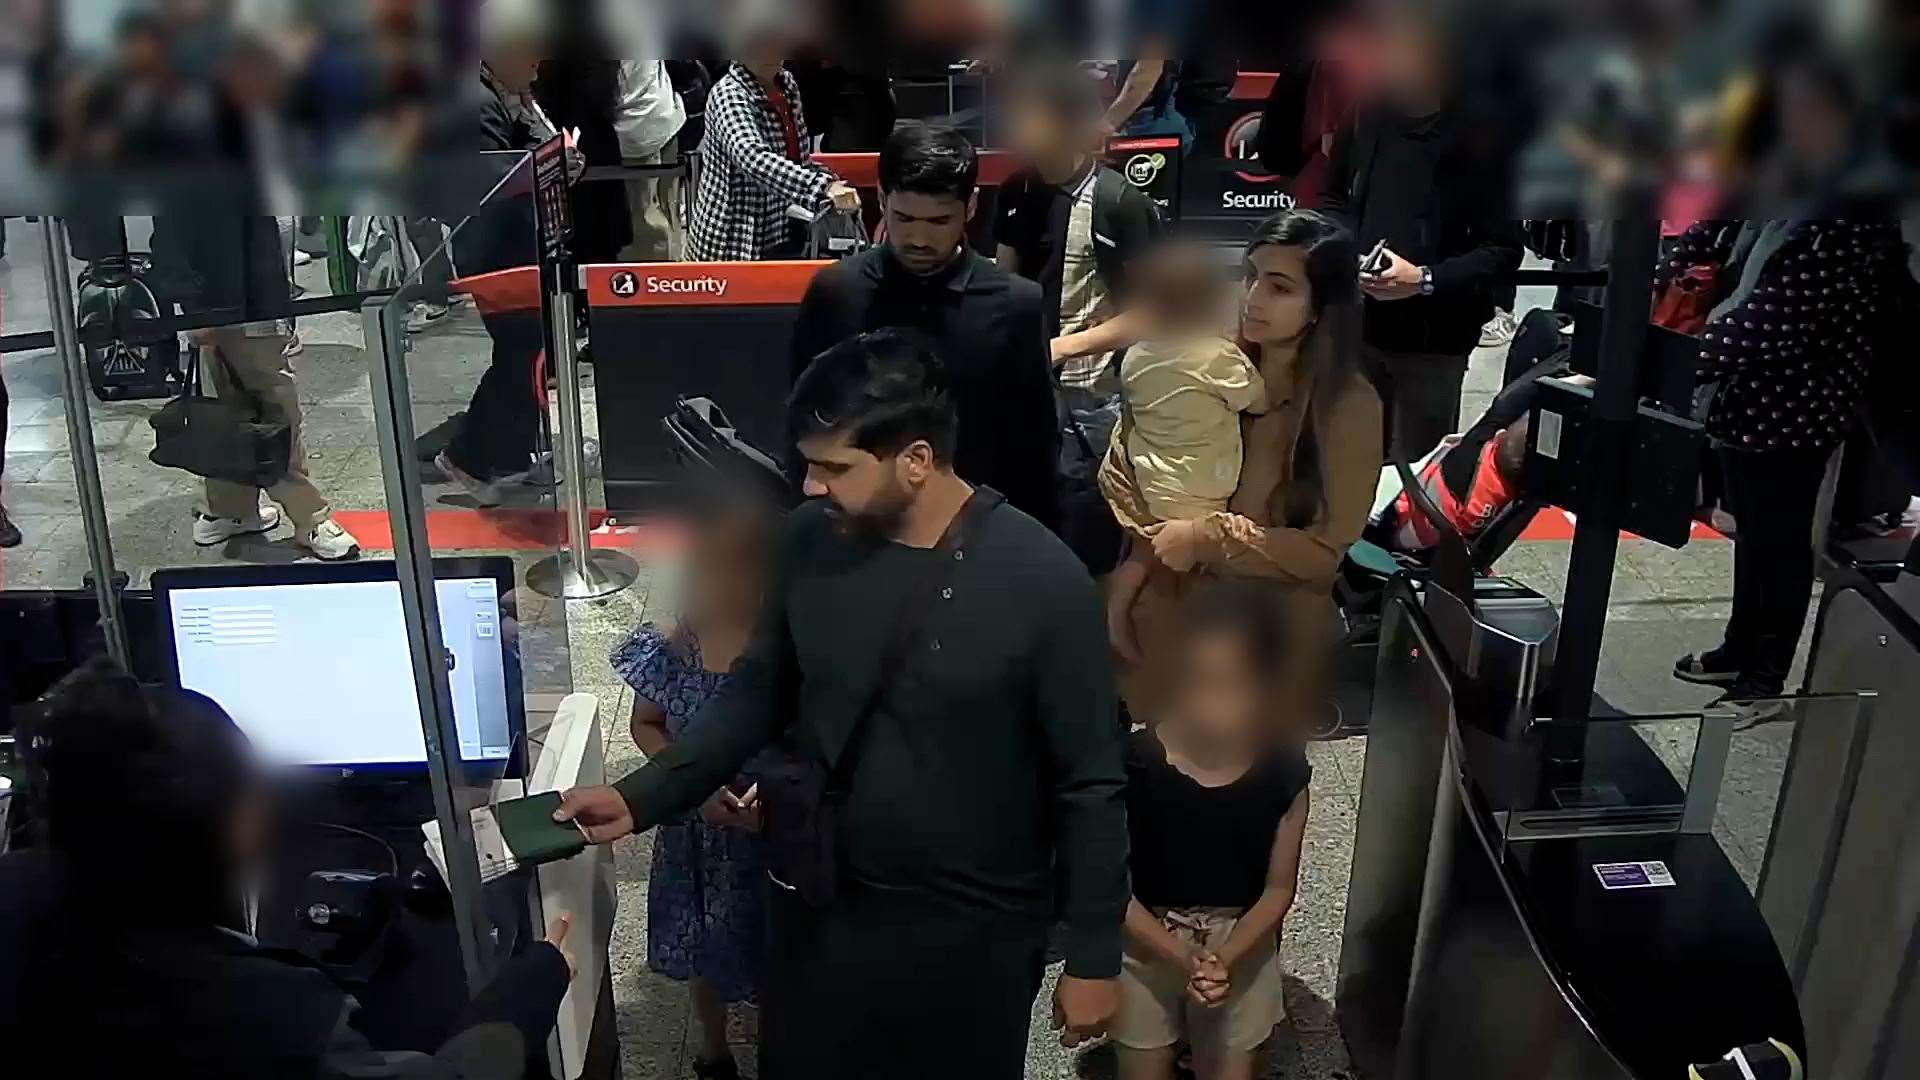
(1310, 461)
(122, 943)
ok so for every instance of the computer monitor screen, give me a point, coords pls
(319, 672)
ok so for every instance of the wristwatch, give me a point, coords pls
(1426, 281)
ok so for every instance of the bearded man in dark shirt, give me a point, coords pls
(983, 792)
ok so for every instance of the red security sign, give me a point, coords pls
(699, 284)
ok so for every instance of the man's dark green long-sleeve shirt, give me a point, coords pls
(991, 781)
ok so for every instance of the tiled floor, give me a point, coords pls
(1665, 603)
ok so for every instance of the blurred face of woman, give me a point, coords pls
(1277, 303)
(1813, 126)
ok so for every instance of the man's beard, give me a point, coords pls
(882, 519)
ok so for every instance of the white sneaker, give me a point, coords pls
(485, 492)
(209, 530)
(301, 258)
(1499, 330)
(329, 542)
(1748, 714)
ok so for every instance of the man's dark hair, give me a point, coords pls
(887, 389)
(104, 754)
(925, 159)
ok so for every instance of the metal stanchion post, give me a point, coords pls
(386, 340)
(578, 572)
(86, 460)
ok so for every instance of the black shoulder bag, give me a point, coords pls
(219, 439)
(805, 801)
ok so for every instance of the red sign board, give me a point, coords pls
(699, 284)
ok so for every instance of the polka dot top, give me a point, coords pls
(1792, 358)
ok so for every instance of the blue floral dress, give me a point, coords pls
(706, 895)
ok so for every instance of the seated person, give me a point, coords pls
(1186, 386)
(121, 941)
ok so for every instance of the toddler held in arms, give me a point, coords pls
(1185, 387)
(1216, 809)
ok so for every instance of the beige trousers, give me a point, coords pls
(658, 233)
(256, 370)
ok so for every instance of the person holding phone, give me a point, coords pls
(1407, 178)
(707, 892)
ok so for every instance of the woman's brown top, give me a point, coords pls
(1249, 538)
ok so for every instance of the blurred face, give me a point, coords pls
(1223, 696)
(256, 79)
(728, 557)
(248, 830)
(1040, 135)
(925, 231)
(865, 492)
(1813, 126)
(1409, 51)
(516, 67)
(143, 53)
(1278, 302)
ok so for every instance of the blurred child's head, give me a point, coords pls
(728, 547)
(1510, 457)
(1231, 648)
(1180, 287)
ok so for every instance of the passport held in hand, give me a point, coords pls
(532, 835)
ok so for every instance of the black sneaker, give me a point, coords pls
(9, 532)
(1704, 670)
(724, 1069)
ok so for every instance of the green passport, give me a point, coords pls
(532, 835)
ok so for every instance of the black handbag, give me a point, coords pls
(804, 800)
(218, 439)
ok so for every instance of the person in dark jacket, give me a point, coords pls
(581, 91)
(988, 327)
(983, 779)
(122, 949)
(1411, 170)
(493, 446)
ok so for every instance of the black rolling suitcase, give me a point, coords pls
(124, 364)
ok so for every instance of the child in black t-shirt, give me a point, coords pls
(1216, 807)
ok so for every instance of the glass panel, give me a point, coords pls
(37, 486)
(1719, 770)
(49, 613)
(474, 326)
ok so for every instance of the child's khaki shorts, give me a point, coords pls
(1156, 1012)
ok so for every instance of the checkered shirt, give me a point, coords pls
(746, 179)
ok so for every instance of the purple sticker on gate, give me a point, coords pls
(1633, 875)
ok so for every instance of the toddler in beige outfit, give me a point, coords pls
(1186, 387)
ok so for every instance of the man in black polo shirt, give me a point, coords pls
(1070, 223)
(984, 790)
(986, 325)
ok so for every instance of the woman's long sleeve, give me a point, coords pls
(1349, 439)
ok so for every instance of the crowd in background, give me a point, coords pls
(1109, 775)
